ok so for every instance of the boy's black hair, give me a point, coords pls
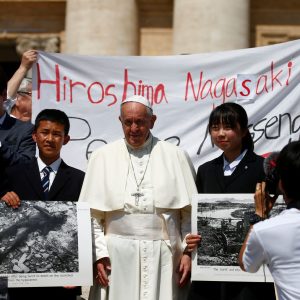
(53, 115)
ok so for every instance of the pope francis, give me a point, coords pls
(139, 189)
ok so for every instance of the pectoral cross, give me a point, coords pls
(137, 196)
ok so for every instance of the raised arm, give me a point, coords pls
(28, 59)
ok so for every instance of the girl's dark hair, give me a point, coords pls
(288, 168)
(232, 114)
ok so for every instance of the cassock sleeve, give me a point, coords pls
(185, 215)
(99, 241)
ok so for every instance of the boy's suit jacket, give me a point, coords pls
(25, 181)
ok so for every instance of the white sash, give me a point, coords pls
(135, 226)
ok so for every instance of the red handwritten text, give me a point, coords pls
(224, 88)
(97, 92)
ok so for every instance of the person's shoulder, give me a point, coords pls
(268, 225)
(18, 122)
(168, 146)
(20, 166)
(253, 156)
(208, 164)
(285, 217)
(22, 126)
(78, 172)
(75, 171)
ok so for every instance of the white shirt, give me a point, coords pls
(228, 167)
(276, 242)
(54, 166)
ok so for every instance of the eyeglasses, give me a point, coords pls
(22, 93)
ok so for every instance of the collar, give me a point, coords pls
(8, 104)
(227, 166)
(54, 166)
(2, 119)
(143, 148)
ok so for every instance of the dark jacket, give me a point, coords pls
(25, 181)
(210, 176)
(17, 145)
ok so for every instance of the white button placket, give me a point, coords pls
(139, 176)
(146, 248)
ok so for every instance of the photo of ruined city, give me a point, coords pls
(223, 223)
(39, 237)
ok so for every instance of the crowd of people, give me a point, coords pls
(139, 189)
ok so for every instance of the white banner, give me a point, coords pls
(183, 89)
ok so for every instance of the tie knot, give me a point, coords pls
(46, 171)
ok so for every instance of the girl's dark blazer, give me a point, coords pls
(211, 179)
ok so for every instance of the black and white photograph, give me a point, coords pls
(223, 222)
(40, 239)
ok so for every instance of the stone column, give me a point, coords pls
(210, 25)
(102, 27)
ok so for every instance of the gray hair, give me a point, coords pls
(26, 85)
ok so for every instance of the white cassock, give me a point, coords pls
(142, 234)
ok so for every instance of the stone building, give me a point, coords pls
(142, 27)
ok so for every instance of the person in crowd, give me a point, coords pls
(16, 143)
(139, 189)
(46, 178)
(21, 107)
(19, 89)
(274, 241)
(236, 170)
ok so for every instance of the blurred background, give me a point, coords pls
(142, 27)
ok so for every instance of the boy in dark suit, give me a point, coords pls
(46, 178)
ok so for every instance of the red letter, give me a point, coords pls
(264, 86)
(160, 88)
(274, 77)
(108, 94)
(233, 87)
(189, 80)
(126, 83)
(290, 64)
(223, 82)
(56, 82)
(102, 92)
(208, 83)
(245, 87)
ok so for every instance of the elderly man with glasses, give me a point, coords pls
(19, 88)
